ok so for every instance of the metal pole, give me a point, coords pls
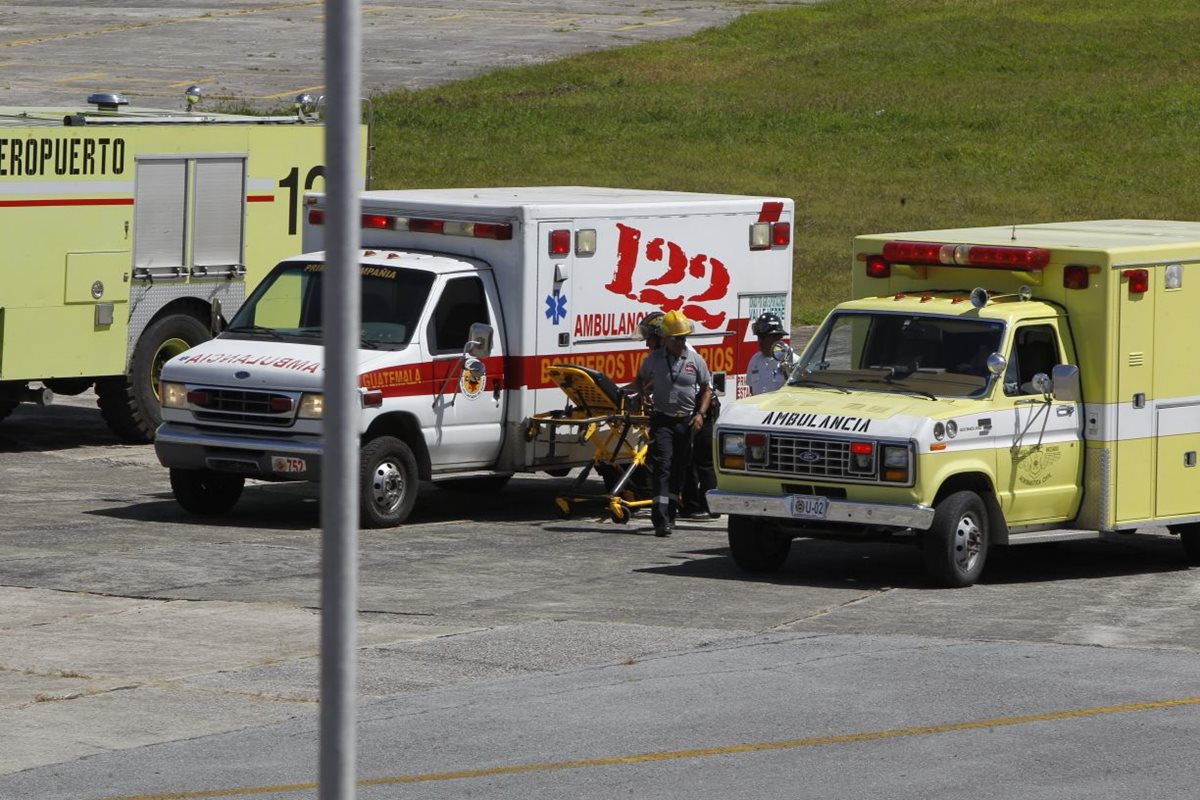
(339, 469)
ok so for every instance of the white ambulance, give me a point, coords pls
(469, 297)
(986, 387)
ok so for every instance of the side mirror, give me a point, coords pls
(997, 363)
(479, 340)
(781, 352)
(718, 383)
(1064, 383)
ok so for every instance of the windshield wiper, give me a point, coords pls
(255, 329)
(814, 382)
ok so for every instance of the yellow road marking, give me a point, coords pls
(157, 23)
(671, 21)
(700, 752)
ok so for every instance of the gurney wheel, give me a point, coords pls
(564, 507)
(619, 513)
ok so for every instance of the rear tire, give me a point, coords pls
(388, 482)
(204, 492)
(755, 550)
(1189, 537)
(955, 547)
(129, 403)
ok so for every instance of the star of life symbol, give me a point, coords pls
(556, 307)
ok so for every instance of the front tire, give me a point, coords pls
(206, 493)
(955, 547)
(755, 550)
(388, 482)
(130, 403)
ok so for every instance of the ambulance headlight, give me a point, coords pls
(172, 395)
(897, 463)
(733, 450)
(312, 406)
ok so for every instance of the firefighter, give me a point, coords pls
(765, 373)
(682, 392)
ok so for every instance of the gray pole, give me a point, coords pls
(339, 470)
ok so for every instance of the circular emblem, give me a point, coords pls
(810, 456)
(241, 374)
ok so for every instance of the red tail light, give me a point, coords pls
(1075, 277)
(1139, 280)
(878, 267)
(781, 234)
(560, 242)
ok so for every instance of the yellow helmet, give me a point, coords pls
(676, 324)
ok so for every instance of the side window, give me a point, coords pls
(1035, 349)
(461, 304)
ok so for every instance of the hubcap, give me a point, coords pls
(166, 351)
(387, 487)
(968, 543)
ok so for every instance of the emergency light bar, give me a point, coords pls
(1021, 259)
(501, 231)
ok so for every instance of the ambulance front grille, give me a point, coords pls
(238, 406)
(811, 458)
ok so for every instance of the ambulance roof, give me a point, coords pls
(1105, 235)
(529, 201)
(56, 117)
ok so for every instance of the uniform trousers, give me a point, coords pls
(671, 446)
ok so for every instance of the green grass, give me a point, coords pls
(875, 116)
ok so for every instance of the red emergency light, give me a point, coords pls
(1139, 280)
(500, 231)
(1020, 259)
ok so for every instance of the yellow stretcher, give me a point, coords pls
(597, 411)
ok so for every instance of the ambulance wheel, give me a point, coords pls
(956, 546)
(207, 493)
(756, 550)
(484, 483)
(1189, 537)
(388, 482)
(129, 403)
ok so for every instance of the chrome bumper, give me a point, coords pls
(180, 447)
(891, 515)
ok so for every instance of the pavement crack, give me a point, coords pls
(821, 612)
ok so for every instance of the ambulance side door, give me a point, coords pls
(468, 393)
(1040, 460)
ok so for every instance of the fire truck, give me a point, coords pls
(471, 299)
(130, 234)
(992, 386)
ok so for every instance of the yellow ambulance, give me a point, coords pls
(987, 387)
(129, 233)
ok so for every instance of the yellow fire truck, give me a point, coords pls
(130, 234)
(1057, 399)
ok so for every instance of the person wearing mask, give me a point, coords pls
(680, 386)
(765, 374)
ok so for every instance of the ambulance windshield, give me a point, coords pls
(287, 305)
(930, 355)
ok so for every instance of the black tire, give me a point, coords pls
(207, 493)
(756, 547)
(1189, 537)
(388, 482)
(483, 483)
(129, 403)
(955, 547)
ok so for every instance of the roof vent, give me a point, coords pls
(108, 101)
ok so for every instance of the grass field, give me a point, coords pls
(874, 115)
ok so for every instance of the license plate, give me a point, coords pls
(287, 464)
(808, 507)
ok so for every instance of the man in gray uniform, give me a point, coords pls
(682, 393)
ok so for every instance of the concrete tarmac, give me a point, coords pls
(148, 653)
(261, 54)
